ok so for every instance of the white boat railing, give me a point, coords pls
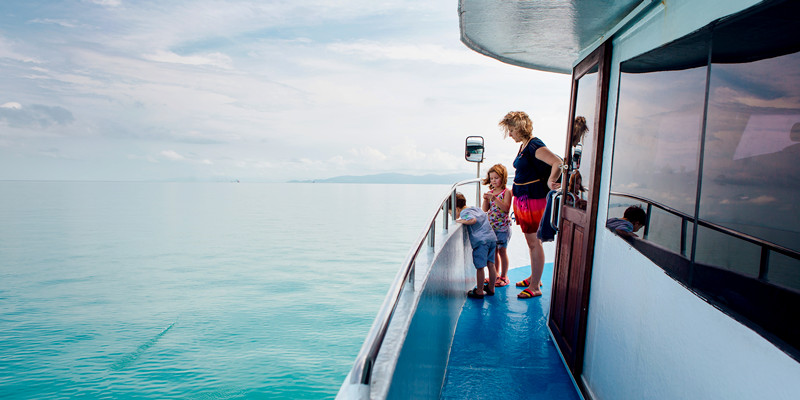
(361, 372)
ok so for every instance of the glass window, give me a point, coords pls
(751, 179)
(667, 230)
(728, 252)
(618, 204)
(582, 144)
(784, 271)
(748, 103)
(658, 136)
(657, 144)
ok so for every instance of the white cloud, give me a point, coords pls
(12, 105)
(263, 90)
(107, 3)
(34, 116)
(368, 155)
(434, 160)
(763, 199)
(8, 50)
(214, 59)
(250, 165)
(371, 50)
(46, 21)
(172, 155)
(368, 160)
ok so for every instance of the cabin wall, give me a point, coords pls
(647, 335)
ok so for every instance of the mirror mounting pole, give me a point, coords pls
(478, 188)
(473, 152)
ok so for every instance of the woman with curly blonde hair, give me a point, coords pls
(537, 171)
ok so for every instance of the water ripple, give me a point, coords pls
(134, 355)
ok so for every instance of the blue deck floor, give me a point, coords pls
(503, 349)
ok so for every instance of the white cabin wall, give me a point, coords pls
(647, 335)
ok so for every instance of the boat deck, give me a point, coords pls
(503, 349)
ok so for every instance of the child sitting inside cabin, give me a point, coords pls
(632, 220)
(484, 244)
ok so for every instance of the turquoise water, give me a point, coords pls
(194, 290)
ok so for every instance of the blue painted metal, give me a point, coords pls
(502, 348)
(413, 345)
(406, 350)
(420, 367)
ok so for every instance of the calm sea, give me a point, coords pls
(194, 290)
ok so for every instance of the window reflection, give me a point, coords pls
(751, 180)
(668, 231)
(784, 271)
(658, 136)
(715, 248)
(618, 204)
(738, 243)
(582, 141)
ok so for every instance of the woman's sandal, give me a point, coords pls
(527, 294)
(526, 282)
(501, 281)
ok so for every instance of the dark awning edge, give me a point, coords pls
(747, 36)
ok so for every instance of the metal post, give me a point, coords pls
(683, 236)
(478, 190)
(412, 273)
(453, 204)
(763, 268)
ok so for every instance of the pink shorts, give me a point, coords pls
(528, 213)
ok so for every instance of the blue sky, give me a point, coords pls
(253, 90)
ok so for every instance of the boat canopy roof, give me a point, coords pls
(543, 35)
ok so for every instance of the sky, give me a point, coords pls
(254, 90)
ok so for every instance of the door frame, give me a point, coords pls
(600, 57)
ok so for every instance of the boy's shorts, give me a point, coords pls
(502, 238)
(482, 253)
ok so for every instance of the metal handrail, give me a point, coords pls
(362, 369)
(766, 246)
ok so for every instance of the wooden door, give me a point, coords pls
(575, 241)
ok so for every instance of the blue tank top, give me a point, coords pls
(529, 169)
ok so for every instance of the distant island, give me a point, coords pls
(393, 178)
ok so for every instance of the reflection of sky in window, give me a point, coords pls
(750, 176)
(585, 106)
(658, 135)
(587, 99)
(766, 134)
(677, 141)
